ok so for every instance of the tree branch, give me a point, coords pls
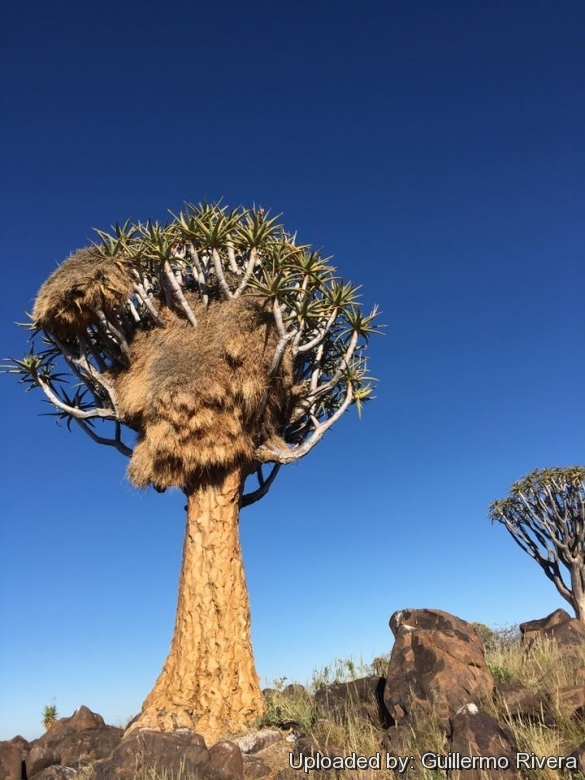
(265, 485)
(267, 454)
(74, 411)
(117, 442)
(176, 288)
(249, 270)
(113, 332)
(145, 298)
(220, 274)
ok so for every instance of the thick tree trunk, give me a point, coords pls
(578, 589)
(209, 682)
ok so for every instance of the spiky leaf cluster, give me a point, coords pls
(205, 254)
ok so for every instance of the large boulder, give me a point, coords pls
(436, 667)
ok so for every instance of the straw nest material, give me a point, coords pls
(201, 398)
(84, 283)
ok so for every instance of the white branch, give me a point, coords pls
(176, 288)
(133, 311)
(319, 337)
(145, 298)
(199, 275)
(109, 327)
(282, 332)
(74, 411)
(219, 273)
(267, 454)
(232, 257)
(322, 389)
(250, 265)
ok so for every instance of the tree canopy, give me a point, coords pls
(215, 337)
(545, 514)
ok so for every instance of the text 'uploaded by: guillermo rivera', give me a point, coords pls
(429, 760)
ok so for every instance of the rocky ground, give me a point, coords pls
(437, 674)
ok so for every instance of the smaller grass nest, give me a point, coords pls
(83, 284)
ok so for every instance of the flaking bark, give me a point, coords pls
(209, 682)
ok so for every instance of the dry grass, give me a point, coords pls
(540, 667)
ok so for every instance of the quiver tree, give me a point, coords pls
(545, 514)
(210, 350)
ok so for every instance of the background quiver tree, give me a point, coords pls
(545, 514)
(227, 349)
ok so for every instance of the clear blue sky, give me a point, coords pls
(437, 151)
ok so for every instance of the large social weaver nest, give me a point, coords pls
(215, 337)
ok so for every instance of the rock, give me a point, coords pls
(40, 757)
(171, 753)
(226, 758)
(88, 745)
(292, 774)
(579, 755)
(364, 697)
(397, 740)
(567, 632)
(308, 747)
(437, 666)
(56, 773)
(82, 718)
(522, 703)
(532, 628)
(146, 749)
(75, 741)
(10, 760)
(571, 701)
(257, 740)
(294, 689)
(255, 768)
(475, 733)
(23, 744)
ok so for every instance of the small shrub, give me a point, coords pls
(295, 706)
(501, 673)
(485, 633)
